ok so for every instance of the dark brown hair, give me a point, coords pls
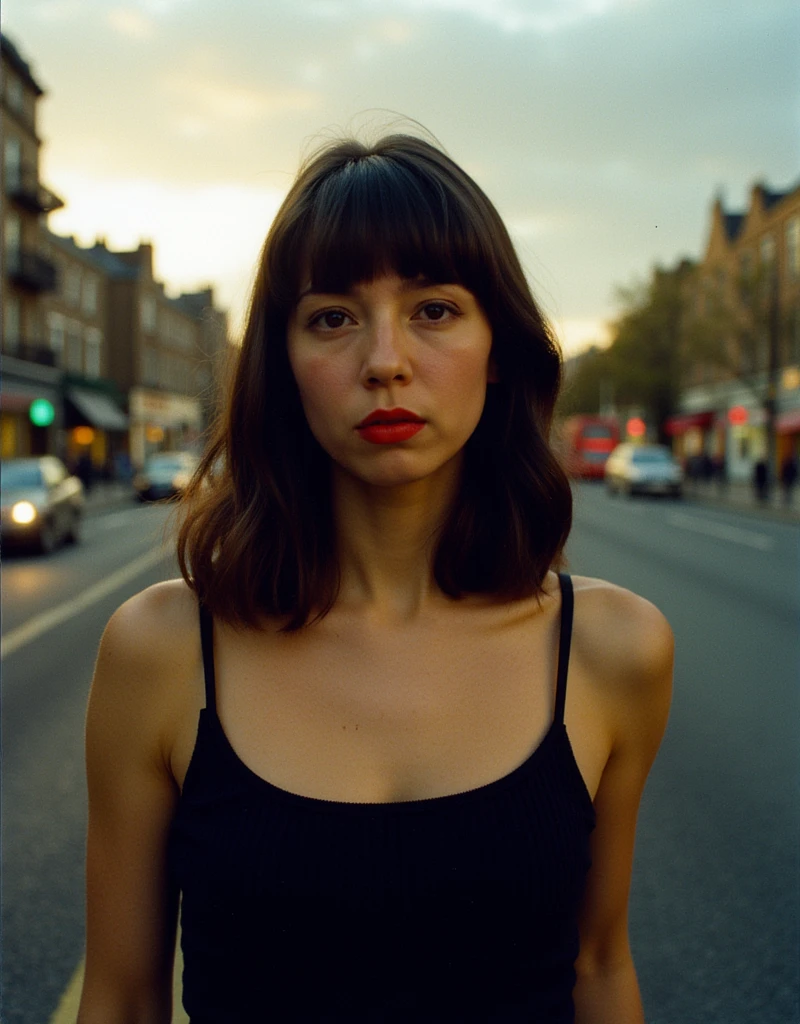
(257, 535)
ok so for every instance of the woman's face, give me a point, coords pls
(392, 375)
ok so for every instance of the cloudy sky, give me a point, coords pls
(602, 129)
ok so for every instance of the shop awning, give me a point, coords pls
(98, 409)
(788, 422)
(680, 424)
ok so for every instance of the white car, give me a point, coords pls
(42, 505)
(643, 469)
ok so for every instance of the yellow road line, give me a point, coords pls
(67, 1009)
(39, 624)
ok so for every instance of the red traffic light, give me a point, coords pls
(738, 416)
(635, 427)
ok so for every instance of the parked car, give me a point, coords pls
(165, 475)
(643, 469)
(42, 504)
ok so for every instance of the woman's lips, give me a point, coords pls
(390, 426)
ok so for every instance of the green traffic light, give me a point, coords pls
(41, 412)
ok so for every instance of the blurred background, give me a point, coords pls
(645, 155)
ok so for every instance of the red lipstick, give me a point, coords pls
(390, 426)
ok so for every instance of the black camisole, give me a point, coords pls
(451, 909)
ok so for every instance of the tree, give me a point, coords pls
(642, 366)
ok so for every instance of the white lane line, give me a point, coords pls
(39, 624)
(723, 531)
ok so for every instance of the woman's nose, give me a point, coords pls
(386, 356)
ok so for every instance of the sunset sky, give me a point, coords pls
(602, 129)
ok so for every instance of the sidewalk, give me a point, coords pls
(741, 498)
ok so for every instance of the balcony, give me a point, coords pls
(31, 271)
(31, 352)
(24, 187)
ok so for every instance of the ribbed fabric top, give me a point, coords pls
(451, 909)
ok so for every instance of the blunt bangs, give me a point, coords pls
(378, 215)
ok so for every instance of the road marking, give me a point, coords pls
(723, 531)
(39, 624)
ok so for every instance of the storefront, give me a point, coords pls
(160, 421)
(692, 434)
(96, 427)
(787, 430)
(30, 410)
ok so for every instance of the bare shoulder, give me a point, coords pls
(619, 633)
(148, 674)
(159, 623)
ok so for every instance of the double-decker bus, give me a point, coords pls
(587, 441)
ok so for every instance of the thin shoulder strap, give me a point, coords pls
(207, 644)
(564, 639)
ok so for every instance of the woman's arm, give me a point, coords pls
(131, 906)
(636, 677)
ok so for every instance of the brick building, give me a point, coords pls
(76, 320)
(29, 370)
(123, 368)
(162, 352)
(747, 287)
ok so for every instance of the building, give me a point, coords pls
(162, 352)
(744, 330)
(76, 316)
(97, 359)
(30, 410)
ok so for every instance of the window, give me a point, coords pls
(147, 314)
(74, 347)
(16, 97)
(150, 366)
(794, 337)
(89, 303)
(767, 250)
(93, 340)
(55, 330)
(12, 238)
(793, 247)
(72, 286)
(11, 322)
(12, 162)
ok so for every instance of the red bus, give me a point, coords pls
(587, 441)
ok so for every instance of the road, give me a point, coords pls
(716, 893)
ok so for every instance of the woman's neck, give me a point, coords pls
(386, 542)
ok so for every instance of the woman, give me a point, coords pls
(394, 808)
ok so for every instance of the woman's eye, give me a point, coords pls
(437, 311)
(329, 319)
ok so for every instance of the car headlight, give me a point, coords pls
(181, 480)
(23, 513)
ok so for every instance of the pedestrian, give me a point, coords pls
(761, 480)
(789, 476)
(84, 470)
(386, 751)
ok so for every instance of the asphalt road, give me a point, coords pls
(715, 905)
(716, 895)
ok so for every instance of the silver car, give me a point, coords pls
(165, 475)
(42, 504)
(643, 469)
